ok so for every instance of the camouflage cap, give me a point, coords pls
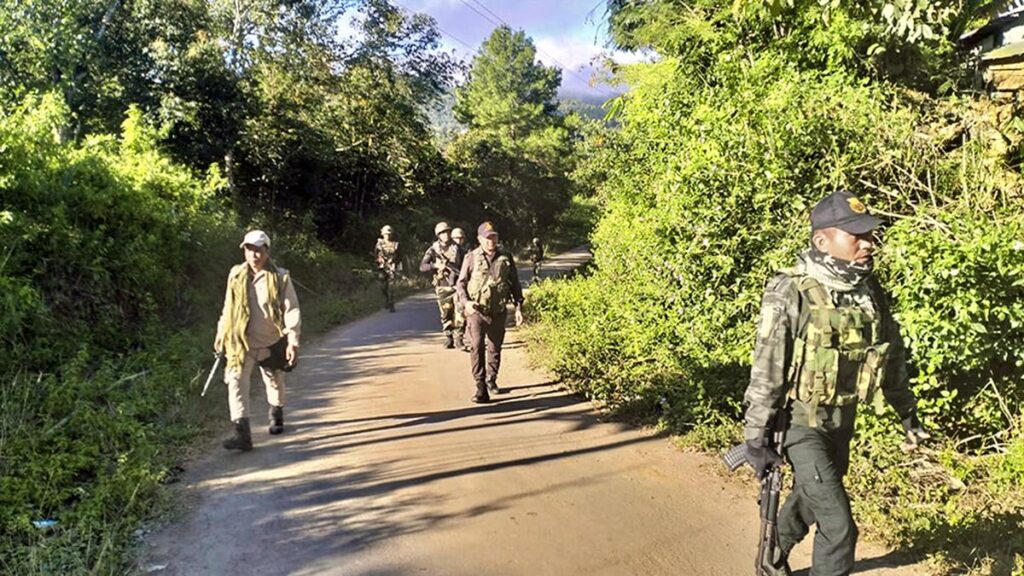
(845, 211)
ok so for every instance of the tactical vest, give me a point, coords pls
(388, 252)
(491, 291)
(840, 358)
(442, 276)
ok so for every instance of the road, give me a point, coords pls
(386, 468)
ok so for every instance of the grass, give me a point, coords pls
(97, 447)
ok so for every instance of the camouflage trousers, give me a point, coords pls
(451, 311)
(820, 459)
(386, 277)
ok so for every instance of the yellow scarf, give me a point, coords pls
(237, 320)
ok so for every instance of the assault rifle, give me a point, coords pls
(771, 486)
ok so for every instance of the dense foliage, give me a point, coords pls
(515, 156)
(137, 141)
(301, 121)
(752, 112)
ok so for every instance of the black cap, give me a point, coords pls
(844, 211)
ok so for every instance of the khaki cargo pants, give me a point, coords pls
(238, 382)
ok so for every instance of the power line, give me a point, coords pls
(439, 29)
(538, 48)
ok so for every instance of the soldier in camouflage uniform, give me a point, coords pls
(826, 342)
(444, 259)
(459, 237)
(536, 254)
(388, 264)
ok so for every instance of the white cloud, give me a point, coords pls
(582, 58)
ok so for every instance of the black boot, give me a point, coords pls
(449, 341)
(492, 387)
(242, 440)
(276, 419)
(481, 396)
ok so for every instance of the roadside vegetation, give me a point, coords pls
(745, 115)
(138, 141)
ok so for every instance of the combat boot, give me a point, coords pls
(492, 388)
(242, 440)
(276, 419)
(481, 396)
(449, 341)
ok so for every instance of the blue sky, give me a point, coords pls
(567, 33)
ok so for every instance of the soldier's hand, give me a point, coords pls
(519, 315)
(291, 353)
(761, 458)
(916, 433)
(218, 343)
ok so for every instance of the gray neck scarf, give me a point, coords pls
(835, 273)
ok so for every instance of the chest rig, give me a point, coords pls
(839, 356)
(488, 282)
(388, 250)
(447, 257)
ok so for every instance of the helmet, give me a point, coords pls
(536, 240)
(458, 233)
(387, 230)
(441, 227)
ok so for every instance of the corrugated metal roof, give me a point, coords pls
(1003, 52)
(1010, 12)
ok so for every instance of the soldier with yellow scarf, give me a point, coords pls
(258, 327)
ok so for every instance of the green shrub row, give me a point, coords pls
(112, 275)
(709, 188)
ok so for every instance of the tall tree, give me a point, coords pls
(508, 91)
(517, 150)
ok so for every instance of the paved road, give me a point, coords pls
(386, 468)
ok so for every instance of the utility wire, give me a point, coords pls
(552, 58)
(439, 29)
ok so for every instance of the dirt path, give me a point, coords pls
(386, 468)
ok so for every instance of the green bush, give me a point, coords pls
(722, 155)
(112, 274)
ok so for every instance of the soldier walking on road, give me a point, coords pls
(487, 283)
(259, 326)
(826, 342)
(459, 237)
(536, 253)
(388, 264)
(443, 259)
